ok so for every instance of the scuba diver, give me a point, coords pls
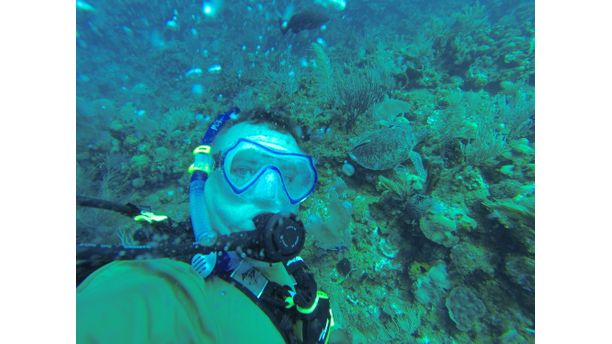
(232, 274)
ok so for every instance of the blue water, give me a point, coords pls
(442, 259)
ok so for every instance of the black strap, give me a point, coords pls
(272, 303)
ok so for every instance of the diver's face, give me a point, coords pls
(267, 191)
(231, 211)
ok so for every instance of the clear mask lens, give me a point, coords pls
(247, 161)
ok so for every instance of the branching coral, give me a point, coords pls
(357, 92)
(402, 185)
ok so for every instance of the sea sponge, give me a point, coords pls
(332, 230)
(464, 307)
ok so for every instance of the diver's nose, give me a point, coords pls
(269, 187)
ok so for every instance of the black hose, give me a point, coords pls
(125, 209)
(92, 256)
(275, 239)
(108, 253)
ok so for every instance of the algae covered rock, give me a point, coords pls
(440, 229)
(521, 271)
(464, 307)
(389, 108)
(514, 212)
(441, 224)
(468, 258)
(431, 287)
(512, 336)
(140, 161)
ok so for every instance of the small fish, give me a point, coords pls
(194, 72)
(335, 4)
(85, 7)
(216, 68)
(305, 20)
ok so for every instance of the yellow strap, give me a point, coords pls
(331, 325)
(193, 168)
(289, 301)
(320, 295)
(150, 217)
(203, 149)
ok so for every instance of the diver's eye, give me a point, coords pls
(243, 171)
(289, 178)
(289, 173)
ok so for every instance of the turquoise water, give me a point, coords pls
(437, 247)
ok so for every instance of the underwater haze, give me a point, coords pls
(419, 115)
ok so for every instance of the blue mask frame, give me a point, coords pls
(263, 170)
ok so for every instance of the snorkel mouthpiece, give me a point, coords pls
(281, 237)
(276, 238)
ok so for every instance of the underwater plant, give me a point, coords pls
(401, 185)
(356, 93)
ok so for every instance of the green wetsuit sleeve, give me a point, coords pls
(164, 301)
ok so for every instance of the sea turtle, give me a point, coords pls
(385, 148)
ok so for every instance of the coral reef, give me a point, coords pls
(437, 248)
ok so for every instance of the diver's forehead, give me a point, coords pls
(272, 142)
(259, 133)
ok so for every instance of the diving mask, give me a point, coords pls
(247, 161)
